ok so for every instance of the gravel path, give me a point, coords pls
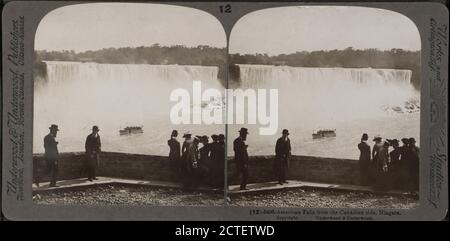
(325, 199)
(126, 195)
(134, 195)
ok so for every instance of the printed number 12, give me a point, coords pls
(225, 9)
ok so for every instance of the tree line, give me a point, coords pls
(155, 54)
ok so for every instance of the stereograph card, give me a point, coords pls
(224, 111)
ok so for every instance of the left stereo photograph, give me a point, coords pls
(106, 75)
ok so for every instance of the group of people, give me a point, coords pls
(389, 165)
(199, 161)
(281, 161)
(51, 156)
(386, 165)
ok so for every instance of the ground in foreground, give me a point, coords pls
(325, 199)
(113, 194)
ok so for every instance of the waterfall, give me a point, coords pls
(323, 95)
(253, 76)
(78, 95)
(350, 100)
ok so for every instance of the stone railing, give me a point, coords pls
(150, 167)
(305, 168)
(112, 164)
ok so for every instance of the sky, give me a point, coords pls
(272, 31)
(287, 30)
(102, 25)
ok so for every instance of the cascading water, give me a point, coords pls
(336, 93)
(78, 95)
(351, 100)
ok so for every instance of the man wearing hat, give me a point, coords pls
(404, 153)
(204, 162)
(189, 156)
(52, 154)
(282, 154)
(241, 156)
(221, 156)
(214, 148)
(413, 147)
(394, 164)
(222, 138)
(405, 157)
(191, 166)
(93, 148)
(414, 164)
(395, 153)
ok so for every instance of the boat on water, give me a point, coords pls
(324, 133)
(130, 130)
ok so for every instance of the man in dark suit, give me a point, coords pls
(414, 164)
(364, 160)
(282, 154)
(52, 154)
(241, 156)
(221, 156)
(93, 148)
(175, 151)
(214, 166)
(403, 164)
(394, 162)
(204, 160)
(213, 147)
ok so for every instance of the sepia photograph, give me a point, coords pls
(346, 130)
(224, 111)
(116, 106)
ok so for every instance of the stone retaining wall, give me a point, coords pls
(149, 167)
(305, 168)
(112, 164)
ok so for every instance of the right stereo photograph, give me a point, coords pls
(333, 108)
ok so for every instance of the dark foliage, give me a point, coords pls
(155, 54)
